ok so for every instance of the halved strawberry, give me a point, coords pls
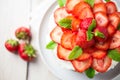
(56, 34)
(75, 24)
(63, 53)
(86, 13)
(101, 65)
(114, 19)
(85, 23)
(111, 29)
(60, 13)
(115, 42)
(101, 18)
(99, 7)
(66, 39)
(84, 56)
(98, 1)
(70, 4)
(103, 45)
(81, 66)
(78, 8)
(99, 54)
(111, 7)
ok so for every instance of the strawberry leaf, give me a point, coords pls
(51, 45)
(90, 72)
(65, 23)
(61, 2)
(75, 53)
(90, 2)
(99, 34)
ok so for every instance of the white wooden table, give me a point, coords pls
(13, 14)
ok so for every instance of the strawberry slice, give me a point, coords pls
(111, 29)
(78, 8)
(84, 56)
(70, 4)
(86, 13)
(56, 34)
(98, 1)
(114, 19)
(102, 65)
(103, 45)
(66, 39)
(115, 42)
(74, 40)
(85, 23)
(81, 66)
(99, 54)
(99, 7)
(63, 53)
(60, 13)
(101, 18)
(111, 7)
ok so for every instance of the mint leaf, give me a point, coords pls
(107, 0)
(89, 35)
(114, 54)
(99, 34)
(76, 52)
(51, 45)
(61, 2)
(65, 23)
(90, 2)
(90, 72)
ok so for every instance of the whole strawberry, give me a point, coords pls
(23, 33)
(26, 52)
(12, 45)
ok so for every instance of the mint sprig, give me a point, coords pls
(61, 2)
(51, 45)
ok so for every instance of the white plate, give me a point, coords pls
(48, 56)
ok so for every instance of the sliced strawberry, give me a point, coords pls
(85, 23)
(111, 29)
(81, 66)
(63, 53)
(114, 20)
(98, 1)
(101, 65)
(103, 45)
(84, 56)
(115, 42)
(78, 8)
(74, 40)
(60, 13)
(99, 7)
(75, 24)
(56, 34)
(118, 13)
(111, 7)
(89, 50)
(70, 4)
(99, 54)
(86, 13)
(101, 18)
(66, 39)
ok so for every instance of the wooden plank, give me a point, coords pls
(13, 14)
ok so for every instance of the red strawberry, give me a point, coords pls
(81, 39)
(114, 19)
(85, 23)
(70, 4)
(74, 40)
(118, 13)
(103, 45)
(75, 24)
(111, 7)
(98, 1)
(99, 7)
(81, 66)
(115, 42)
(99, 54)
(84, 56)
(12, 45)
(86, 13)
(89, 50)
(78, 8)
(56, 34)
(102, 65)
(111, 29)
(101, 18)
(59, 14)
(66, 39)
(63, 53)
